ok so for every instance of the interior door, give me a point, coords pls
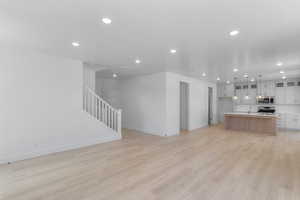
(184, 106)
(210, 106)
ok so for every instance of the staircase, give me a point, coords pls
(100, 110)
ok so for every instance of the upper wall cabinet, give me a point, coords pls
(229, 90)
(241, 97)
(220, 90)
(284, 91)
(225, 90)
(287, 92)
(292, 93)
(280, 93)
(267, 88)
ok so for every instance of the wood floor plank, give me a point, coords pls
(207, 164)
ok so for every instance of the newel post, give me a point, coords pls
(120, 121)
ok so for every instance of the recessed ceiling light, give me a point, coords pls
(227, 82)
(246, 76)
(115, 75)
(234, 32)
(173, 51)
(137, 61)
(284, 77)
(203, 74)
(106, 20)
(279, 64)
(252, 80)
(235, 70)
(218, 78)
(75, 44)
(281, 72)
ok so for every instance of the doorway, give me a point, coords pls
(210, 106)
(184, 107)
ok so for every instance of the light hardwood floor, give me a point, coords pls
(210, 163)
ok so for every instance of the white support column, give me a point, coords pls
(120, 121)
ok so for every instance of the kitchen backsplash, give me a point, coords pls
(279, 108)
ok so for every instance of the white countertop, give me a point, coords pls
(251, 114)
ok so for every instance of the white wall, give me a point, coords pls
(89, 77)
(41, 107)
(151, 103)
(143, 101)
(109, 90)
(198, 102)
(225, 105)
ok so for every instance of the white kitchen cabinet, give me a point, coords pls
(284, 94)
(288, 121)
(297, 95)
(292, 121)
(252, 97)
(290, 95)
(229, 90)
(281, 120)
(271, 88)
(220, 90)
(252, 94)
(264, 89)
(293, 95)
(280, 95)
(267, 88)
(225, 90)
(240, 95)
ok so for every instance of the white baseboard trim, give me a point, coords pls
(4, 159)
(201, 126)
(146, 132)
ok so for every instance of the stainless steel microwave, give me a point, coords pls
(266, 100)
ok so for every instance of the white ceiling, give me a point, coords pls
(147, 29)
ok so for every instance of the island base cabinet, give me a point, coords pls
(260, 125)
(250, 123)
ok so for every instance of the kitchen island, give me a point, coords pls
(251, 122)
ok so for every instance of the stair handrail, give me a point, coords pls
(101, 110)
(100, 98)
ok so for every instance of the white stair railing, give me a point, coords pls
(101, 110)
